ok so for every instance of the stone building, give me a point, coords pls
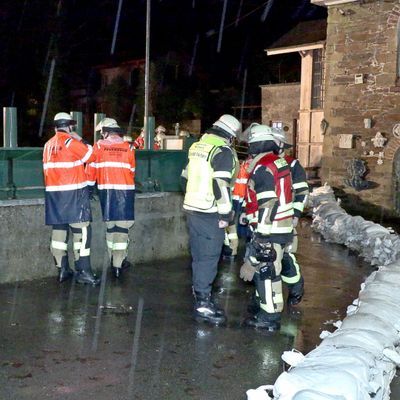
(298, 107)
(362, 100)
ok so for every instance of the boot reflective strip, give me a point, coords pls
(269, 306)
(294, 279)
(59, 245)
(84, 252)
(205, 310)
(120, 246)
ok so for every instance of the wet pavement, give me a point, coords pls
(135, 339)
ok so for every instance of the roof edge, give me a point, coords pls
(326, 3)
(295, 48)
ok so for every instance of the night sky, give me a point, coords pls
(79, 33)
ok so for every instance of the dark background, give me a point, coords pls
(78, 33)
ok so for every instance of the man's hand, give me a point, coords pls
(295, 221)
(247, 271)
(223, 224)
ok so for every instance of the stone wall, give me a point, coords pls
(159, 233)
(281, 102)
(362, 39)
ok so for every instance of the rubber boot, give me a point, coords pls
(205, 310)
(263, 320)
(296, 293)
(126, 264)
(254, 305)
(84, 272)
(65, 272)
(117, 272)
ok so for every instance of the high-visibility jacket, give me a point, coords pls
(240, 187)
(278, 196)
(66, 192)
(114, 172)
(301, 189)
(200, 174)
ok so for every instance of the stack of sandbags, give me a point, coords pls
(359, 359)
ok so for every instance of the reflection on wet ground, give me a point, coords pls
(135, 339)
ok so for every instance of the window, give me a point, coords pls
(278, 125)
(317, 80)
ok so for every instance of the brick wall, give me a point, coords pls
(362, 39)
(280, 102)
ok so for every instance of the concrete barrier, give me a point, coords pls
(159, 233)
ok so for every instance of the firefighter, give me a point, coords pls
(114, 172)
(209, 175)
(291, 273)
(67, 202)
(269, 210)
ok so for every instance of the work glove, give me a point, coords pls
(295, 221)
(247, 271)
(223, 224)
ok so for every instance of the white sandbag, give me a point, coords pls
(374, 323)
(324, 380)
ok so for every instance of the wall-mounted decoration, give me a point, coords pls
(323, 126)
(396, 131)
(345, 141)
(367, 123)
(358, 79)
(357, 170)
(379, 140)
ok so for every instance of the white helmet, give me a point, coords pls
(261, 133)
(229, 124)
(108, 125)
(160, 129)
(63, 120)
(280, 135)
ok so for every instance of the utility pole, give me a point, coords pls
(147, 138)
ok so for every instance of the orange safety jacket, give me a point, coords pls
(66, 192)
(240, 187)
(114, 172)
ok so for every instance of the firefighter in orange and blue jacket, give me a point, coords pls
(114, 172)
(67, 204)
(269, 210)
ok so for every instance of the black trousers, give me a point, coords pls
(206, 240)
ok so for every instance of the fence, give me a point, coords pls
(21, 174)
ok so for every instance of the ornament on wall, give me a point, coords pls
(323, 126)
(357, 170)
(396, 131)
(379, 140)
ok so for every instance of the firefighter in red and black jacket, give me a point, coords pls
(269, 209)
(114, 172)
(67, 202)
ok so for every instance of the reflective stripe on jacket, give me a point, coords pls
(281, 195)
(114, 172)
(66, 193)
